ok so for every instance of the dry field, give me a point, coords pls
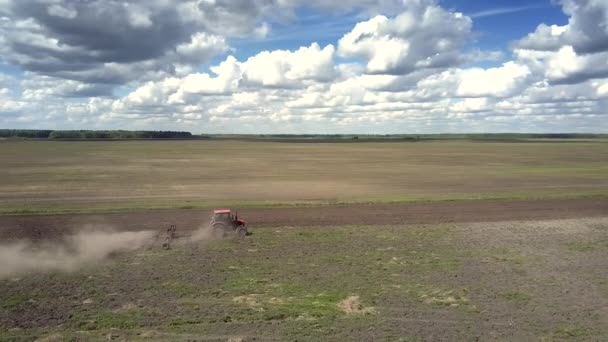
(515, 281)
(39, 177)
(432, 241)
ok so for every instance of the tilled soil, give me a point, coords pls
(53, 226)
(486, 281)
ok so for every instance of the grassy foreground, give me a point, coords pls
(66, 177)
(512, 281)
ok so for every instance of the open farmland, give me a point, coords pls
(425, 241)
(51, 177)
(533, 280)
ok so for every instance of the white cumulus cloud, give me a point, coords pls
(423, 36)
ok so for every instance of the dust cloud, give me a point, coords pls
(203, 233)
(73, 252)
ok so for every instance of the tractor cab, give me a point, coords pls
(222, 215)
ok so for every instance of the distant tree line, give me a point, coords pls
(121, 134)
(25, 133)
(410, 137)
(87, 134)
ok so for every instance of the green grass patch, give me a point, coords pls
(581, 246)
(571, 332)
(180, 289)
(14, 301)
(107, 320)
(516, 297)
(103, 319)
(588, 246)
(602, 284)
(265, 307)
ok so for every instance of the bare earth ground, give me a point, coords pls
(38, 227)
(55, 177)
(473, 270)
(517, 281)
(532, 269)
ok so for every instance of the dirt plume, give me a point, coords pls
(203, 233)
(73, 252)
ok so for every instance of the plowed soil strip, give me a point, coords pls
(52, 226)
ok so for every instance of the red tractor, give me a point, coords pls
(223, 222)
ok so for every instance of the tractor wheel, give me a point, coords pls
(241, 232)
(219, 230)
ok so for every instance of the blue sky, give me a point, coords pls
(294, 66)
(496, 24)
